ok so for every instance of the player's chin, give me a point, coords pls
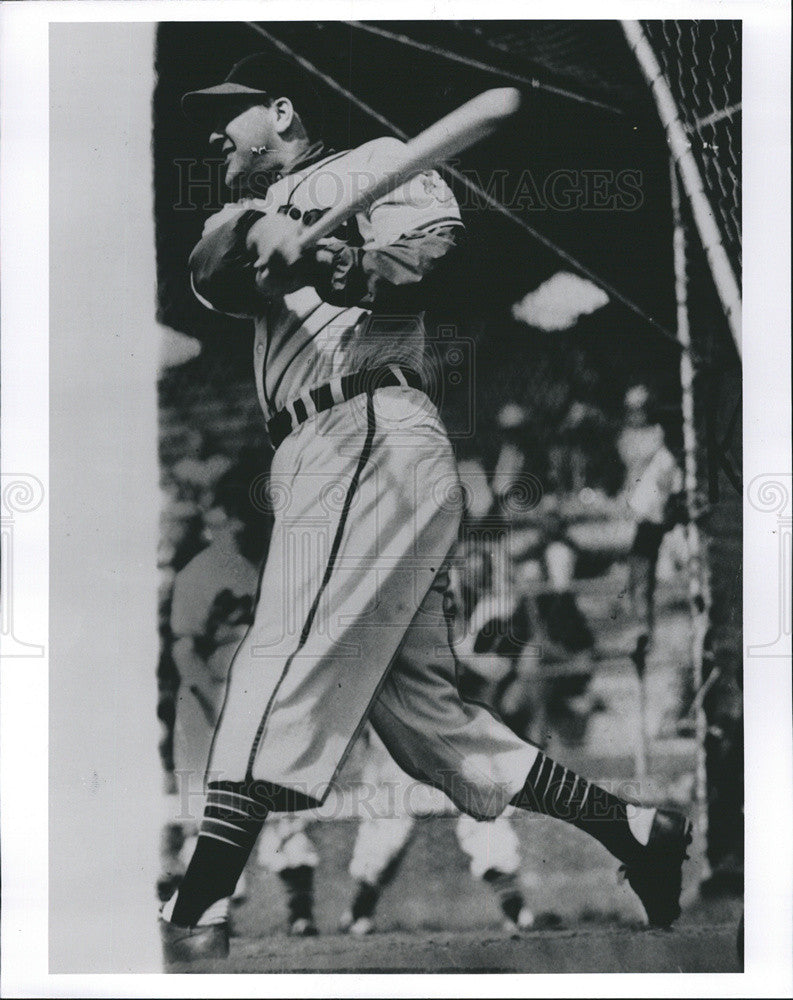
(239, 175)
(250, 182)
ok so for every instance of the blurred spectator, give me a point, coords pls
(520, 468)
(478, 496)
(652, 480)
(181, 527)
(200, 467)
(567, 639)
(500, 664)
(583, 453)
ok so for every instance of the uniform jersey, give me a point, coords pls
(213, 605)
(302, 341)
(652, 475)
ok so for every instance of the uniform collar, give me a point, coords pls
(312, 154)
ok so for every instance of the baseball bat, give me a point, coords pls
(475, 120)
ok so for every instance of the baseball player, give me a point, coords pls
(652, 478)
(350, 623)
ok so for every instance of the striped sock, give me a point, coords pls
(555, 791)
(233, 816)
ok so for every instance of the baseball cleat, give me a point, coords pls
(303, 927)
(188, 944)
(357, 926)
(208, 939)
(656, 875)
(523, 922)
(361, 927)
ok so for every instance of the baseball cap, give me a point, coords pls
(252, 80)
(511, 416)
(637, 396)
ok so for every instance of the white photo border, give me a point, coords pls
(24, 763)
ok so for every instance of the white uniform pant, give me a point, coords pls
(386, 826)
(350, 621)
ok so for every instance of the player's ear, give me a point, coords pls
(284, 114)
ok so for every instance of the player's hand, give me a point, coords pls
(280, 269)
(337, 274)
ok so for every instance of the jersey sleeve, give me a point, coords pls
(232, 211)
(221, 266)
(422, 204)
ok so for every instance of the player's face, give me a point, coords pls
(249, 144)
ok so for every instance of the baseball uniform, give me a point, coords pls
(352, 619)
(351, 622)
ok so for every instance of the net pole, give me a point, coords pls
(723, 277)
(698, 583)
(642, 733)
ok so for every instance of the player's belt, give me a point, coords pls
(328, 395)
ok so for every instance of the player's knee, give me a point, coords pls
(476, 795)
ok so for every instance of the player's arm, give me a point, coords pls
(221, 267)
(413, 238)
(405, 275)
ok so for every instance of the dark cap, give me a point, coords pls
(253, 80)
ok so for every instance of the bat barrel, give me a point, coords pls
(473, 121)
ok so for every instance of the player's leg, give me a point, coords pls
(483, 766)
(494, 855)
(336, 598)
(384, 833)
(286, 849)
(185, 855)
(380, 846)
(210, 916)
(237, 804)
(642, 563)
